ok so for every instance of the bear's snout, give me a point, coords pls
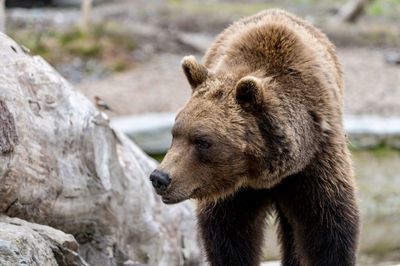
(160, 180)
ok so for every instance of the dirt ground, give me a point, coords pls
(165, 31)
(372, 85)
(174, 29)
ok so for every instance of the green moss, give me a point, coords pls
(70, 36)
(89, 50)
(376, 9)
(384, 8)
(119, 66)
(381, 150)
(158, 157)
(122, 40)
(381, 249)
(231, 8)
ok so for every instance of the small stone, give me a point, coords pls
(393, 58)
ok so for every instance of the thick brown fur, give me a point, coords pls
(263, 132)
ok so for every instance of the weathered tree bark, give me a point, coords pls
(62, 165)
(353, 10)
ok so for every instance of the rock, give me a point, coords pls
(62, 165)
(64, 246)
(23, 246)
(72, 2)
(373, 131)
(392, 58)
(152, 131)
(271, 263)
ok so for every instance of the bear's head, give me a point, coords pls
(232, 133)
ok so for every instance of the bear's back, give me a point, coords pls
(276, 41)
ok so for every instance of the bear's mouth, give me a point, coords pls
(173, 200)
(168, 200)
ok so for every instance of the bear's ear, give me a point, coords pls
(195, 72)
(249, 93)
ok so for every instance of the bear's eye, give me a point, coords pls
(202, 144)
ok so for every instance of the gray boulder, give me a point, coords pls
(23, 246)
(24, 243)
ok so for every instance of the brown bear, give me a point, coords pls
(262, 133)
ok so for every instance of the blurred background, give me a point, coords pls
(126, 55)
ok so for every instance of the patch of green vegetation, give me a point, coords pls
(226, 8)
(175, 2)
(307, 2)
(381, 249)
(86, 49)
(376, 9)
(119, 66)
(384, 8)
(379, 151)
(157, 157)
(71, 36)
(383, 151)
(103, 42)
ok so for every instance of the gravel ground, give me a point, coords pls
(165, 32)
(156, 86)
(372, 86)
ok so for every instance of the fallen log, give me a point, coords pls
(62, 165)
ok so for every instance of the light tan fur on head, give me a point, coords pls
(195, 72)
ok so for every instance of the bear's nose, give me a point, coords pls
(160, 180)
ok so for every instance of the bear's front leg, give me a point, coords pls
(232, 228)
(289, 255)
(324, 219)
